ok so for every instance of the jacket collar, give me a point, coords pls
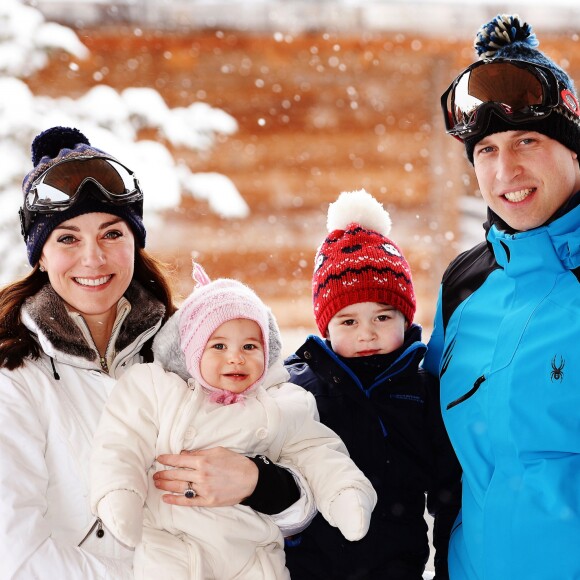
(553, 246)
(410, 356)
(494, 220)
(47, 317)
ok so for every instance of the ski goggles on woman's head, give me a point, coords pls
(58, 188)
(515, 90)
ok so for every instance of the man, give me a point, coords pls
(507, 329)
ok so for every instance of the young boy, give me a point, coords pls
(233, 393)
(365, 376)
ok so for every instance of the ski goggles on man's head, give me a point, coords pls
(58, 188)
(515, 90)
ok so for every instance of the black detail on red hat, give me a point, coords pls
(351, 249)
(570, 102)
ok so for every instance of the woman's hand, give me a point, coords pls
(218, 476)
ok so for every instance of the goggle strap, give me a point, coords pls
(570, 101)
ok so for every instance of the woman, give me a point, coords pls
(88, 310)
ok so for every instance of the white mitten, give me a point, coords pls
(121, 512)
(351, 512)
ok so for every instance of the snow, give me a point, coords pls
(110, 119)
(439, 17)
(204, 186)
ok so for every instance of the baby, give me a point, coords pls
(233, 393)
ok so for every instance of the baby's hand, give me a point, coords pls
(351, 512)
(121, 512)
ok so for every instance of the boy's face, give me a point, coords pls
(366, 328)
(233, 358)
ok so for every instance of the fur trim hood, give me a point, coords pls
(48, 313)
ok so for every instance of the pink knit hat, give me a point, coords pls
(208, 307)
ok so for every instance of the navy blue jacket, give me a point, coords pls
(394, 432)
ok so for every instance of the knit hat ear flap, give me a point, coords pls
(357, 262)
(507, 36)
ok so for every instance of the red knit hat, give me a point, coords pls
(358, 263)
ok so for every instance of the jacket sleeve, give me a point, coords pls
(295, 517)
(27, 546)
(444, 493)
(124, 449)
(319, 454)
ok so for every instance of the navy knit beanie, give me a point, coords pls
(50, 147)
(507, 37)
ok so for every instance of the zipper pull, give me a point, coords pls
(104, 364)
(100, 532)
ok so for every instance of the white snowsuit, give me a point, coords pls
(152, 412)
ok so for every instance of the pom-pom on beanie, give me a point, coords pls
(506, 36)
(207, 308)
(50, 147)
(357, 262)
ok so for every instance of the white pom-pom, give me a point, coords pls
(358, 207)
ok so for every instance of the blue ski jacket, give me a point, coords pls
(506, 345)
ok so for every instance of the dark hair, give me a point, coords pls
(153, 275)
(16, 342)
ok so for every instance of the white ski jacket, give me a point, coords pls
(49, 410)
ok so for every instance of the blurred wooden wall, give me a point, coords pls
(318, 114)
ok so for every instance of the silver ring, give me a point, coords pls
(189, 493)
